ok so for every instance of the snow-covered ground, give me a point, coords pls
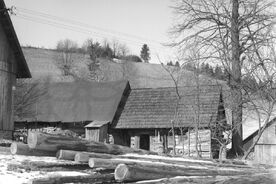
(20, 176)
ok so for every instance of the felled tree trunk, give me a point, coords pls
(149, 171)
(83, 157)
(48, 142)
(75, 179)
(66, 154)
(23, 149)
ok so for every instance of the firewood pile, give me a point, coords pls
(123, 164)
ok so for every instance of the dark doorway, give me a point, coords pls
(144, 142)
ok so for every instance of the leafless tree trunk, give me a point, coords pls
(175, 75)
(27, 94)
(225, 32)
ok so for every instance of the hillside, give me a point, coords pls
(43, 63)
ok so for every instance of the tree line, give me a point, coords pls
(108, 50)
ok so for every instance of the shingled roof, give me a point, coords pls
(154, 108)
(78, 101)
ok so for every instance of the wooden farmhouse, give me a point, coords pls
(265, 149)
(147, 119)
(141, 118)
(12, 66)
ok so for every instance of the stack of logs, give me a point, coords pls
(127, 164)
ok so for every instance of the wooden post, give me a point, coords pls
(189, 143)
(137, 142)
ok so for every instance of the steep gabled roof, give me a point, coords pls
(6, 23)
(155, 108)
(78, 101)
(254, 134)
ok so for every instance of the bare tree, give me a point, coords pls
(123, 50)
(27, 95)
(174, 73)
(115, 47)
(226, 32)
(65, 61)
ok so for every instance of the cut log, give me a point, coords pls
(43, 141)
(186, 161)
(112, 163)
(97, 178)
(23, 149)
(47, 166)
(83, 157)
(149, 171)
(240, 179)
(105, 163)
(66, 154)
(4, 150)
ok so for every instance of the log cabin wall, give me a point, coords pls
(7, 81)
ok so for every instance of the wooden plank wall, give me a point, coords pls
(265, 150)
(204, 143)
(265, 154)
(97, 134)
(269, 135)
(92, 134)
(7, 80)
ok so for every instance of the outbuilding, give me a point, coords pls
(265, 149)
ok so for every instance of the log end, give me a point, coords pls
(91, 163)
(32, 139)
(59, 154)
(121, 172)
(13, 148)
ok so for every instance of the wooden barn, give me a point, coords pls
(265, 149)
(12, 66)
(83, 107)
(146, 120)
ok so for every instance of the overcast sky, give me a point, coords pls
(133, 22)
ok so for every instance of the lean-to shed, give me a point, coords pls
(97, 131)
